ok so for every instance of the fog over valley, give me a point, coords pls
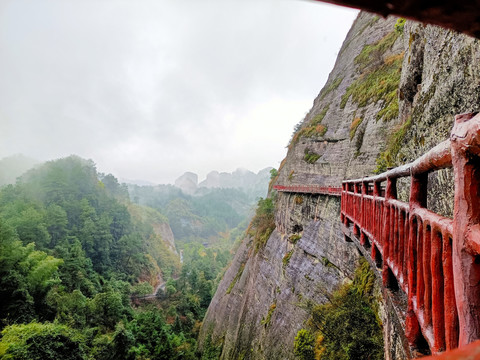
(151, 89)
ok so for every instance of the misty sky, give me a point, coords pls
(151, 89)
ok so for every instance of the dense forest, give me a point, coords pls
(77, 259)
(205, 218)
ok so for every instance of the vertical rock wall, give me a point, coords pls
(263, 299)
(390, 97)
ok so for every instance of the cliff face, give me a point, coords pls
(390, 97)
(262, 301)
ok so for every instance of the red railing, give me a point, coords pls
(310, 189)
(433, 259)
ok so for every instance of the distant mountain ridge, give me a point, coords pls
(241, 178)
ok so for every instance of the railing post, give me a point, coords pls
(418, 198)
(364, 213)
(345, 202)
(390, 194)
(356, 215)
(465, 146)
(377, 221)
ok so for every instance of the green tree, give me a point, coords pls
(153, 338)
(348, 323)
(106, 309)
(304, 345)
(56, 222)
(26, 276)
(71, 308)
(31, 228)
(141, 289)
(37, 341)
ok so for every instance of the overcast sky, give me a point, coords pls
(151, 89)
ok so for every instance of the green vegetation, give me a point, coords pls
(310, 131)
(42, 341)
(372, 55)
(236, 278)
(304, 345)
(286, 258)
(364, 281)
(380, 78)
(290, 175)
(75, 255)
(317, 119)
(389, 157)
(310, 157)
(327, 263)
(268, 318)
(354, 125)
(369, 24)
(294, 238)
(274, 174)
(347, 327)
(328, 88)
(379, 84)
(262, 224)
(399, 25)
(313, 129)
(208, 217)
(211, 350)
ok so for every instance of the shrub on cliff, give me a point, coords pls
(41, 341)
(347, 327)
(304, 344)
(262, 224)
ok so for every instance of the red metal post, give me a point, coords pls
(418, 198)
(451, 315)
(465, 143)
(438, 321)
(427, 275)
(365, 214)
(376, 193)
(402, 233)
(412, 328)
(356, 212)
(406, 253)
(396, 238)
(420, 279)
(389, 214)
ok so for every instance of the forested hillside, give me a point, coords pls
(211, 217)
(77, 258)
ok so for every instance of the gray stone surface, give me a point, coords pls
(239, 317)
(440, 77)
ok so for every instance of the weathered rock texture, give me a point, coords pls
(390, 97)
(239, 312)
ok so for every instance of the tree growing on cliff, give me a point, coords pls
(347, 327)
(263, 223)
(304, 345)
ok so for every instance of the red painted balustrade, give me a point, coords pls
(310, 189)
(433, 259)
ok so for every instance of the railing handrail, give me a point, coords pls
(435, 260)
(312, 189)
(437, 158)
